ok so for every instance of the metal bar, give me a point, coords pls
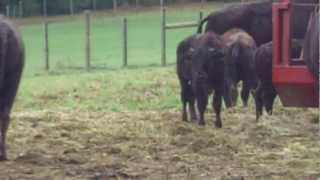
(286, 48)
(125, 42)
(276, 41)
(182, 25)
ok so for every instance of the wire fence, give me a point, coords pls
(103, 40)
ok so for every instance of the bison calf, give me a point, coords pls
(201, 70)
(11, 66)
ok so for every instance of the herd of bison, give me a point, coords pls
(236, 46)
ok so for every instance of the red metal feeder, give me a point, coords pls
(295, 84)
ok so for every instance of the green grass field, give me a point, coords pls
(125, 123)
(67, 38)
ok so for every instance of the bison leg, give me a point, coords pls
(258, 101)
(269, 96)
(187, 98)
(4, 123)
(217, 101)
(202, 102)
(192, 109)
(9, 93)
(184, 99)
(245, 91)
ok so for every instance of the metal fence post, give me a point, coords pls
(163, 37)
(87, 46)
(125, 42)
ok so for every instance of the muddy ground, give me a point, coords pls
(158, 145)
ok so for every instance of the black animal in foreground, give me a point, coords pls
(239, 59)
(201, 71)
(11, 67)
(256, 19)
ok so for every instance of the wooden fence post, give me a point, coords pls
(14, 11)
(200, 17)
(94, 4)
(46, 35)
(125, 42)
(8, 11)
(46, 44)
(163, 37)
(88, 46)
(115, 5)
(71, 7)
(20, 8)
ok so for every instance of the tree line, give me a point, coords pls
(57, 7)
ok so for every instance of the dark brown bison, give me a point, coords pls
(201, 71)
(11, 66)
(239, 58)
(265, 92)
(208, 74)
(256, 19)
(311, 45)
(185, 51)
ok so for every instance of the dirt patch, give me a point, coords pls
(158, 145)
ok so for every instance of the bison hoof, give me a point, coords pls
(184, 117)
(3, 158)
(201, 123)
(218, 124)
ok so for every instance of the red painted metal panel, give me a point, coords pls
(293, 81)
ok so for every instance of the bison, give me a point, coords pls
(201, 71)
(241, 47)
(206, 72)
(256, 19)
(311, 45)
(185, 51)
(11, 67)
(264, 92)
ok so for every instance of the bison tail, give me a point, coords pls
(199, 31)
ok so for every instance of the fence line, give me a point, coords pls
(165, 27)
